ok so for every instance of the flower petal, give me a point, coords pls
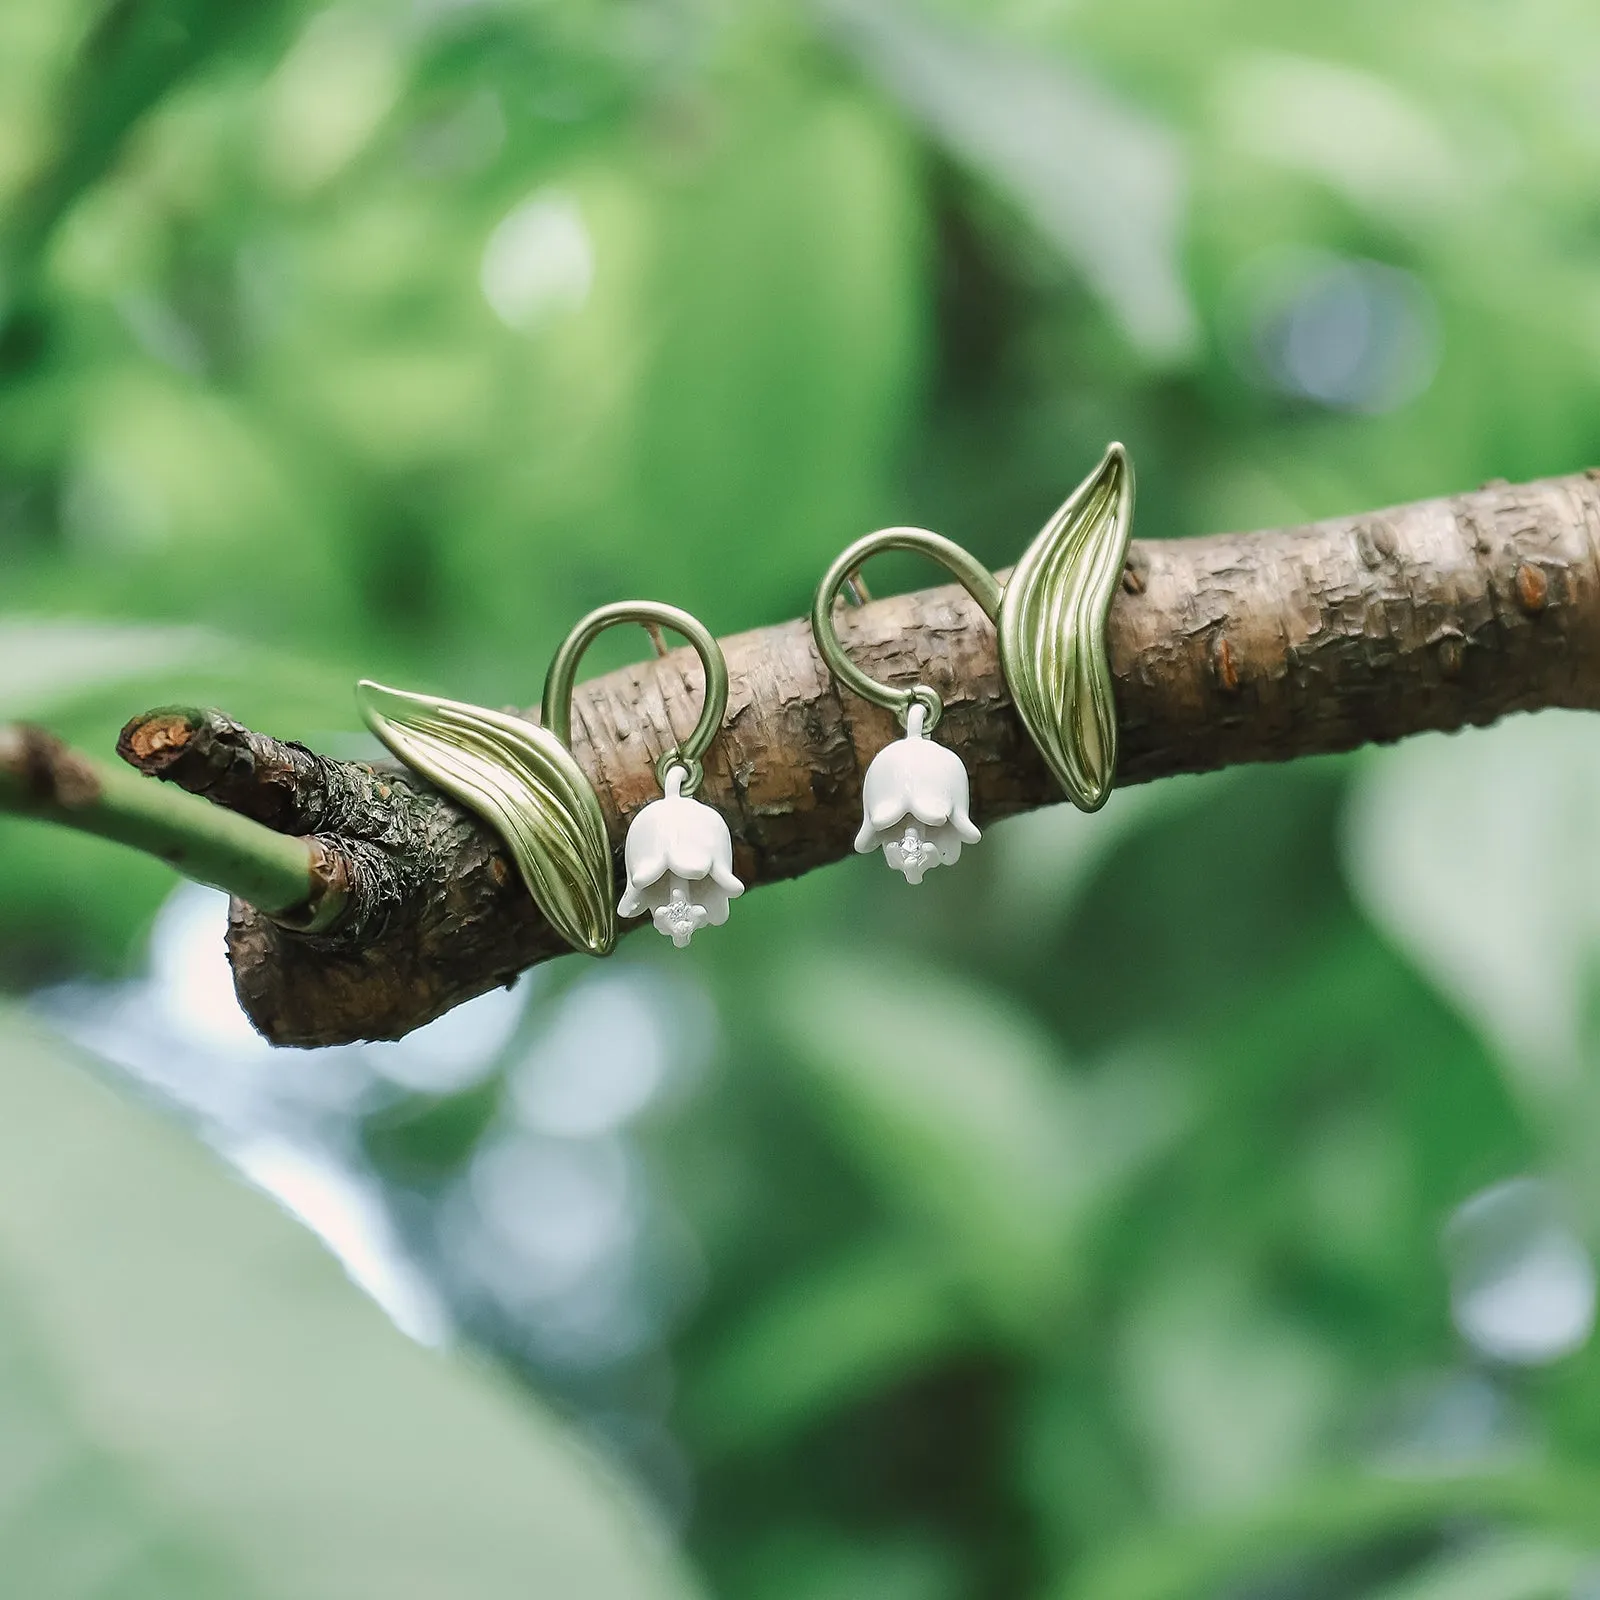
(696, 837)
(886, 790)
(639, 898)
(929, 807)
(712, 900)
(645, 854)
(890, 811)
(868, 837)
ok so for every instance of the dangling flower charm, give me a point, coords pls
(915, 802)
(679, 857)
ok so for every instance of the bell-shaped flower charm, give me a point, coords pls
(679, 857)
(915, 802)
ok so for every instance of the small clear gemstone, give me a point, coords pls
(912, 854)
(679, 918)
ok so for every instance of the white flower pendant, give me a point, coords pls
(679, 857)
(915, 801)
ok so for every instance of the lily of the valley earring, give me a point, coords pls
(1051, 619)
(523, 780)
(679, 852)
(679, 857)
(914, 802)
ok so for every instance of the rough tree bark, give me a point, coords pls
(1230, 649)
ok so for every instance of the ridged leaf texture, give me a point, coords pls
(1053, 631)
(526, 785)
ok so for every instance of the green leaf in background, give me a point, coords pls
(825, 1340)
(194, 1402)
(1043, 861)
(46, 664)
(1227, 1402)
(1475, 854)
(1346, 1517)
(964, 1117)
(88, 675)
(1103, 181)
(812, 1564)
(1499, 1568)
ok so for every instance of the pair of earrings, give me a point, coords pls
(522, 778)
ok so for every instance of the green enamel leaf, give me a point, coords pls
(526, 785)
(1053, 631)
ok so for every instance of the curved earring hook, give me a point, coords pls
(556, 707)
(971, 573)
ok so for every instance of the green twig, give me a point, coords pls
(293, 880)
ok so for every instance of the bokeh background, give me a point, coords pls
(1198, 1199)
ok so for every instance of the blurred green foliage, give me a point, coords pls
(1070, 1226)
(196, 1406)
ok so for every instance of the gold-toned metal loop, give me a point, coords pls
(556, 706)
(971, 573)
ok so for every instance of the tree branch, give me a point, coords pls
(1230, 649)
(294, 880)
